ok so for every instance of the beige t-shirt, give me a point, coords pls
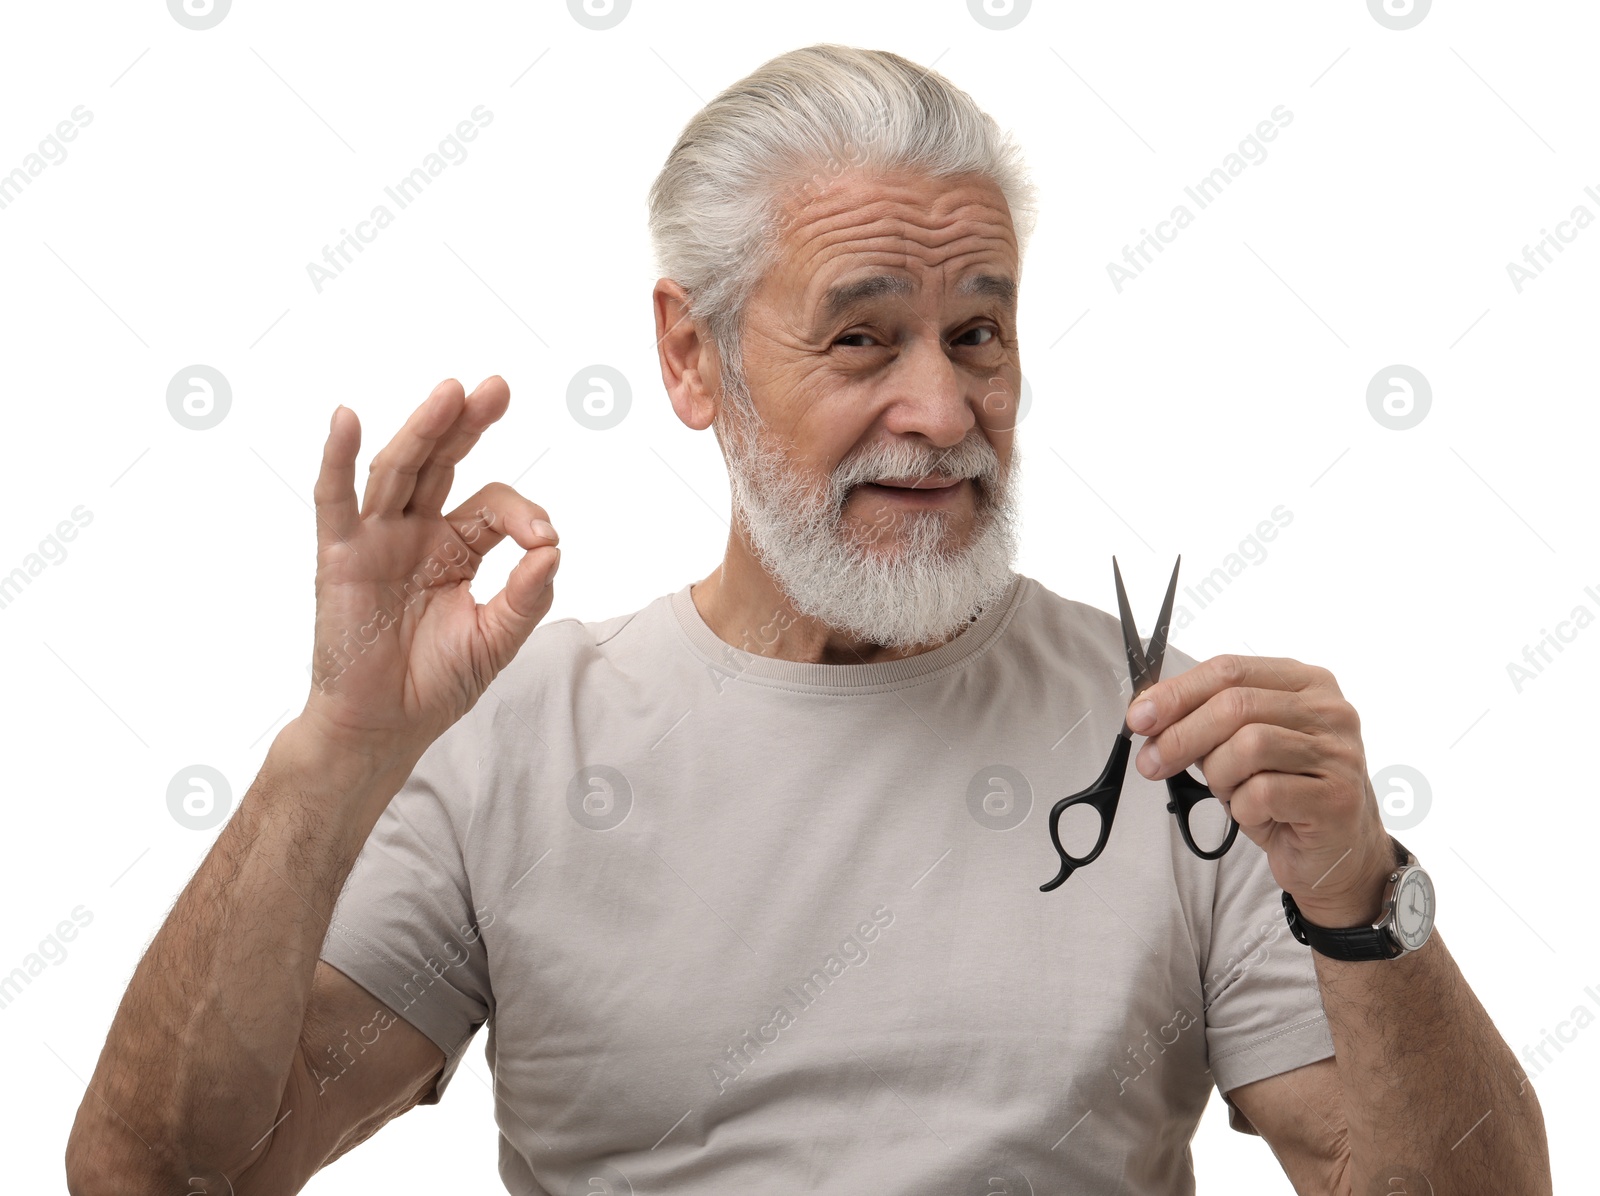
(740, 924)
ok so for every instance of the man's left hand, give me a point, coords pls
(1281, 749)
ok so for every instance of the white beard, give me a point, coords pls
(912, 590)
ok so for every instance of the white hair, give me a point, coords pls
(747, 162)
(784, 132)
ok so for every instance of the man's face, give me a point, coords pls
(881, 357)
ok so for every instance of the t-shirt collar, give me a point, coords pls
(750, 666)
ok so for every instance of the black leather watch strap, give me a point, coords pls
(1346, 943)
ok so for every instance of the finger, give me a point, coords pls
(393, 472)
(1292, 799)
(1176, 696)
(484, 405)
(498, 511)
(1204, 730)
(508, 618)
(1258, 747)
(335, 491)
(489, 516)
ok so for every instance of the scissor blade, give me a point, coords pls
(1158, 637)
(1130, 635)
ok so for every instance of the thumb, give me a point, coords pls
(508, 619)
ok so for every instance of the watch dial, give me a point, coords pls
(1413, 909)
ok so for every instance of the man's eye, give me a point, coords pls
(988, 333)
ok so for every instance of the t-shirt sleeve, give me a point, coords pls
(405, 927)
(1263, 1005)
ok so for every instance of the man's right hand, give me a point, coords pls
(402, 649)
(231, 1007)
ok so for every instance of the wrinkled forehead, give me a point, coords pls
(863, 237)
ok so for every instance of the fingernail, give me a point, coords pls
(544, 531)
(1142, 716)
(1150, 759)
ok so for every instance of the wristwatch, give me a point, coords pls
(1402, 927)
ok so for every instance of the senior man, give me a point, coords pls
(720, 875)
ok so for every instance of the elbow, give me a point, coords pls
(111, 1163)
(86, 1173)
(86, 1176)
(91, 1172)
(95, 1167)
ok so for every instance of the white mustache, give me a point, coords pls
(971, 459)
(916, 595)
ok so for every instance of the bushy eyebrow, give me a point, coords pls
(1000, 286)
(840, 299)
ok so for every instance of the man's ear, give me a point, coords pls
(690, 368)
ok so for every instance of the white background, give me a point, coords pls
(1230, 377)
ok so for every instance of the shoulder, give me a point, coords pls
(560, 653)
(563, 638)
(1081, 631)
(1066, 632)
(1042, 612)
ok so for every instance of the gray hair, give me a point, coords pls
(785, 131)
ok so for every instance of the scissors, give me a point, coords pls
(1183, 791)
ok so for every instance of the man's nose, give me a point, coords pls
(929, 394)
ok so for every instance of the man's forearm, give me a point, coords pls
(1430, 1088)
(196, 1060)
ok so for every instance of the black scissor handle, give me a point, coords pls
(1102, 795)
(1186, 793)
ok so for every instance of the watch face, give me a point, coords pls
(1413, 909)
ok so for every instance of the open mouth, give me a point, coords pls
(924, 492)
(917, 485)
